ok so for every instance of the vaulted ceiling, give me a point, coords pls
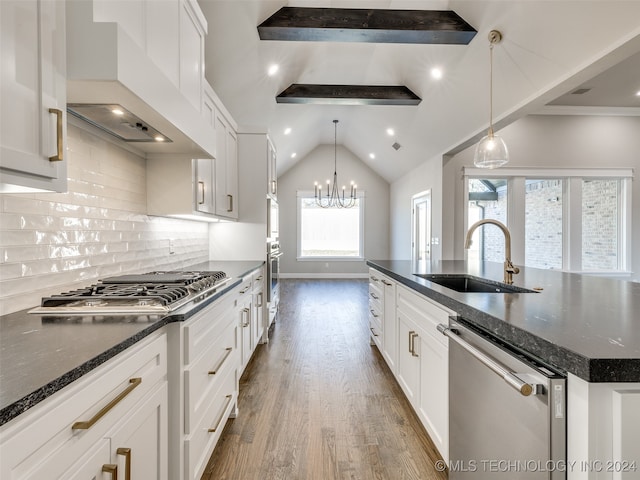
(549, 49)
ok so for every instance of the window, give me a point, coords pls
(543, 223)
(487, 199)
(569, 219)
(329, 233)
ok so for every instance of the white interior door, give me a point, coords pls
(421, 226)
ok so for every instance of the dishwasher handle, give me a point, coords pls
(511, 378)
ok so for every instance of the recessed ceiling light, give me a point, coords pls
(287, 130)
(293, 155)
(391, 132)
(372, 156)
(273, 69)
(158, 138)
(117, 111)
(638, 93)
(436, 73)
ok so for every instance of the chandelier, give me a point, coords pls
(333, 197)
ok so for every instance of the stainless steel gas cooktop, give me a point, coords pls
(148, 293)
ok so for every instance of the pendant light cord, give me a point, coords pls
(491, 89)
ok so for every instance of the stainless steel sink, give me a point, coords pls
(469, 284)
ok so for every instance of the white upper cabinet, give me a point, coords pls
(226, 168)
(33, 92)
(272, 174)
(193, 28)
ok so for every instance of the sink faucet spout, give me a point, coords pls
(509, 268)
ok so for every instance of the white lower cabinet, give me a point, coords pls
(203, 373)
(111, 420)
(414, 350)
(244, 314)
(423, 362)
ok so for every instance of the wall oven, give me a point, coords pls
(273, 272)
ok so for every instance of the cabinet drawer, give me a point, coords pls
(64, 426)
(205, 327)
(257, 279)
(200, 444)
(204, 377)
(423, 311)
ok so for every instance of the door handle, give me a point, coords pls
(413, 344)
(511, 378)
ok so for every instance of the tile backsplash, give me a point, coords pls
(52, 242)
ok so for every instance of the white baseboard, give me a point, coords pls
(324, 275)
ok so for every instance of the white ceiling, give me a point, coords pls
(549, 48)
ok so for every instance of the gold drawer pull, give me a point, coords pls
(373, 331)
(260, 299)
(58, 156)
(127, 461)
(224, 359)
(230, 209)
(133, 383)
(224, 409)
(374, 296)
(111, 469)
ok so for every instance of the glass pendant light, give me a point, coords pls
(491, 151)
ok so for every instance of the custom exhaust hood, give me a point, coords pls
(109, 71)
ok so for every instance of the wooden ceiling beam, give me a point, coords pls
(366, 25)
(348, 95)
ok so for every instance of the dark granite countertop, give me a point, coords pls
(585, 325)
(40, 354)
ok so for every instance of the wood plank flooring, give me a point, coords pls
(318, 402)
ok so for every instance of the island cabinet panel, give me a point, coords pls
(389, 324)
(376, 308)
(422, 361)
(116, 414)
(603, 430)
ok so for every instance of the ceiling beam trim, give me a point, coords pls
(367, 25)
(348, 95)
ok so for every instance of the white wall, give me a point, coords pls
(557, 141)
(318, 166)
(427, 176)
(53, 242)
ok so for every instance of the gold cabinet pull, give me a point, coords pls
(374, 296)
(246, 314)
(373, 332)
(217, 368)
(230, 209)
(388, 284)
(221, 417)
(273, 187)
(111, 469)
(411, 333)
(201, 185)
(260, 299)
(127, 461)
(412, 337)
(373, 313)
(58, 156)
(85, 425)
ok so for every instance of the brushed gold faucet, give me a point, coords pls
(509, 268)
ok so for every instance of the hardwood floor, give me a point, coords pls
(318, 402)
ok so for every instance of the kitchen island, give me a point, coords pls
(584, 327)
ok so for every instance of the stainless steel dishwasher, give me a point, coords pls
(507, 413)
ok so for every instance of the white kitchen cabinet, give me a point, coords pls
(77, 431)
(423, 363)
(258, 302)
(244, 313)
(389, 324)
(226, 168)
(203, 374)
(376, 309)
(272, 172)
(33, 90)
(193, 29)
